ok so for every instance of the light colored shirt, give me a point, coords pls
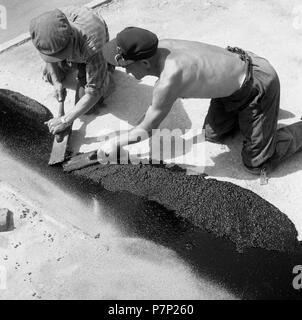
(90, 35)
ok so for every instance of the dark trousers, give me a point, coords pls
(254, 109)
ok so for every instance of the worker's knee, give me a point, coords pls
(214, 136)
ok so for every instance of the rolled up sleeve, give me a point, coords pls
(97, 75)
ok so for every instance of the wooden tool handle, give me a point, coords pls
(61, 109)
(60, 136)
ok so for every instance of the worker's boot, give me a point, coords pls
(258, 170)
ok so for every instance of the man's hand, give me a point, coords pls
(56, 125)
(59, 91)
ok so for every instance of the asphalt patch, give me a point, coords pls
(221, 208)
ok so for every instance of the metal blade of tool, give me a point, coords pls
(60, 144)
(80, 161)
(59, 149)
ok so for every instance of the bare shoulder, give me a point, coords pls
(171, 64)
(167, 87)
(169, 81)
(179, 64)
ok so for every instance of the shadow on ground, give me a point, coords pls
(253, 274)
(128, 101)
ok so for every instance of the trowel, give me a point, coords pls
(81, 161)
(59, 147)
(84, 160)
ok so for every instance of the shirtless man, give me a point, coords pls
(244, 91)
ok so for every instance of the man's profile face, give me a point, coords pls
(137, 69)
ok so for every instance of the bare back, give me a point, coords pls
(205, 71)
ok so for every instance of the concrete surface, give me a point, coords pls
(19, 14)
(220, 22)
(48, 259)
(19, 23)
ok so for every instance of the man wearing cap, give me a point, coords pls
(70, 41)
(244, 90)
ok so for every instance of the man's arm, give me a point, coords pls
(97, 83)
(85, 103)
(53, 70)
(96, 87)
(164, 95)
(59, 90)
